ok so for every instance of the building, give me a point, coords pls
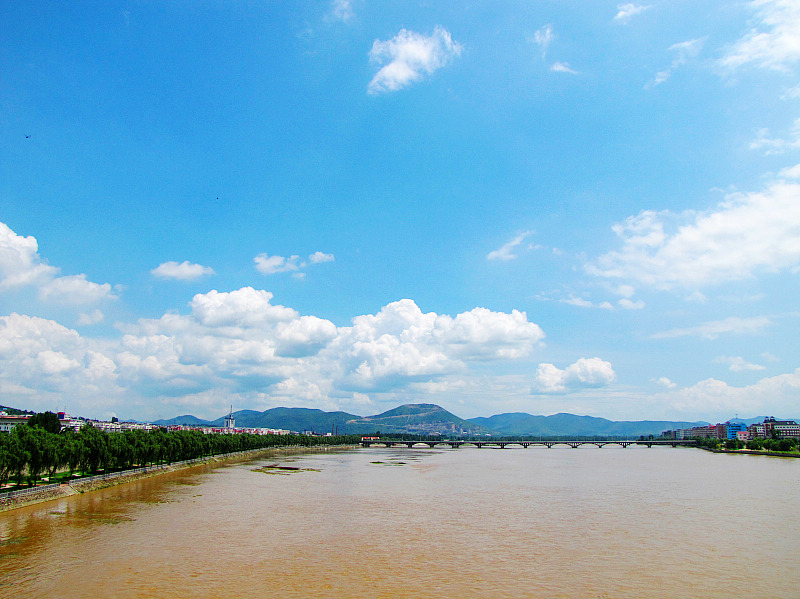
(782, 429)
(9, 421)
(230, 422)
(756, 431)
(734, 428)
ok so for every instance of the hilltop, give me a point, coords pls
(430, 419)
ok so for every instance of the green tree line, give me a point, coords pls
(757, 444)
(31, 451)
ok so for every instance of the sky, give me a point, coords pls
(541, 207)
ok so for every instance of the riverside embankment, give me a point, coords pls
(10, 500)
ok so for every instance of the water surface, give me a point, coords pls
(534, 522)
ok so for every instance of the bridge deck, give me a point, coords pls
(525, 443)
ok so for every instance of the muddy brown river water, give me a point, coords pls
(375, 522)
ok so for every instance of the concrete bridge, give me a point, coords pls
(525, 444)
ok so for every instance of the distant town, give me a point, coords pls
(67, 422)
(769, 429)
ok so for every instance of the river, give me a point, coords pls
(376, 522)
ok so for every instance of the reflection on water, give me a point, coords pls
(558, 522)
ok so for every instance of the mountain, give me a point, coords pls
(293, 419)
(522, 424)
(427, 419)
(421, 419)
(14, 411)
(186, 420)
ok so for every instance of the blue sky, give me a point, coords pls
(586, 207)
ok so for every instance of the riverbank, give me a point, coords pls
(776, 454)
(95, 483)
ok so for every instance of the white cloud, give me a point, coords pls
(21, 266)
(46, 364)
(738, 364)
(584, 303)
(665, 382)
(401, 344)
(93, 317)
(628, 304)
(268, 265)
(184, 271)
(712, 330)
(778, 395)
(791, 93)
(791, 172)
(408, 56)
(245, 307)
(320, 257)
(626, 11)
(583, 374)
(506, 251)
(684, 51)
(543, 38)
(75, 290)
(562, 67)
(342, 10)
(774, 41)
(745, 235)
(772, 146)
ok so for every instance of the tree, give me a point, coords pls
(46, 420)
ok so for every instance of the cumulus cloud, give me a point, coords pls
(269, 265)
(585, 373)
(408, 56)
(746, 235)
(627, 11)
(779, 395)
(738, 364)
(684, 52)
(245, 307)
(75, 290)
(665, 382)
(45, 362)
(774, 40)
(184, 271)
(401, 344)
(320, 257)
(712, 330)
(21, 266)
(506, 251)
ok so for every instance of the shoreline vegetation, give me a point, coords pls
(781, 447)
(36, 495)
(40, 452)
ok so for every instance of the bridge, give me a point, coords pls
(502, 444)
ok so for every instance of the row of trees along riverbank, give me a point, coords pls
(757, 444)
(30, 451)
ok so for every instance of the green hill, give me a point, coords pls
(561, 425)
(422, 419)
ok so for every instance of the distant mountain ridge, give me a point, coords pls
(422, 419)
(432, 419)
(522, 424)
